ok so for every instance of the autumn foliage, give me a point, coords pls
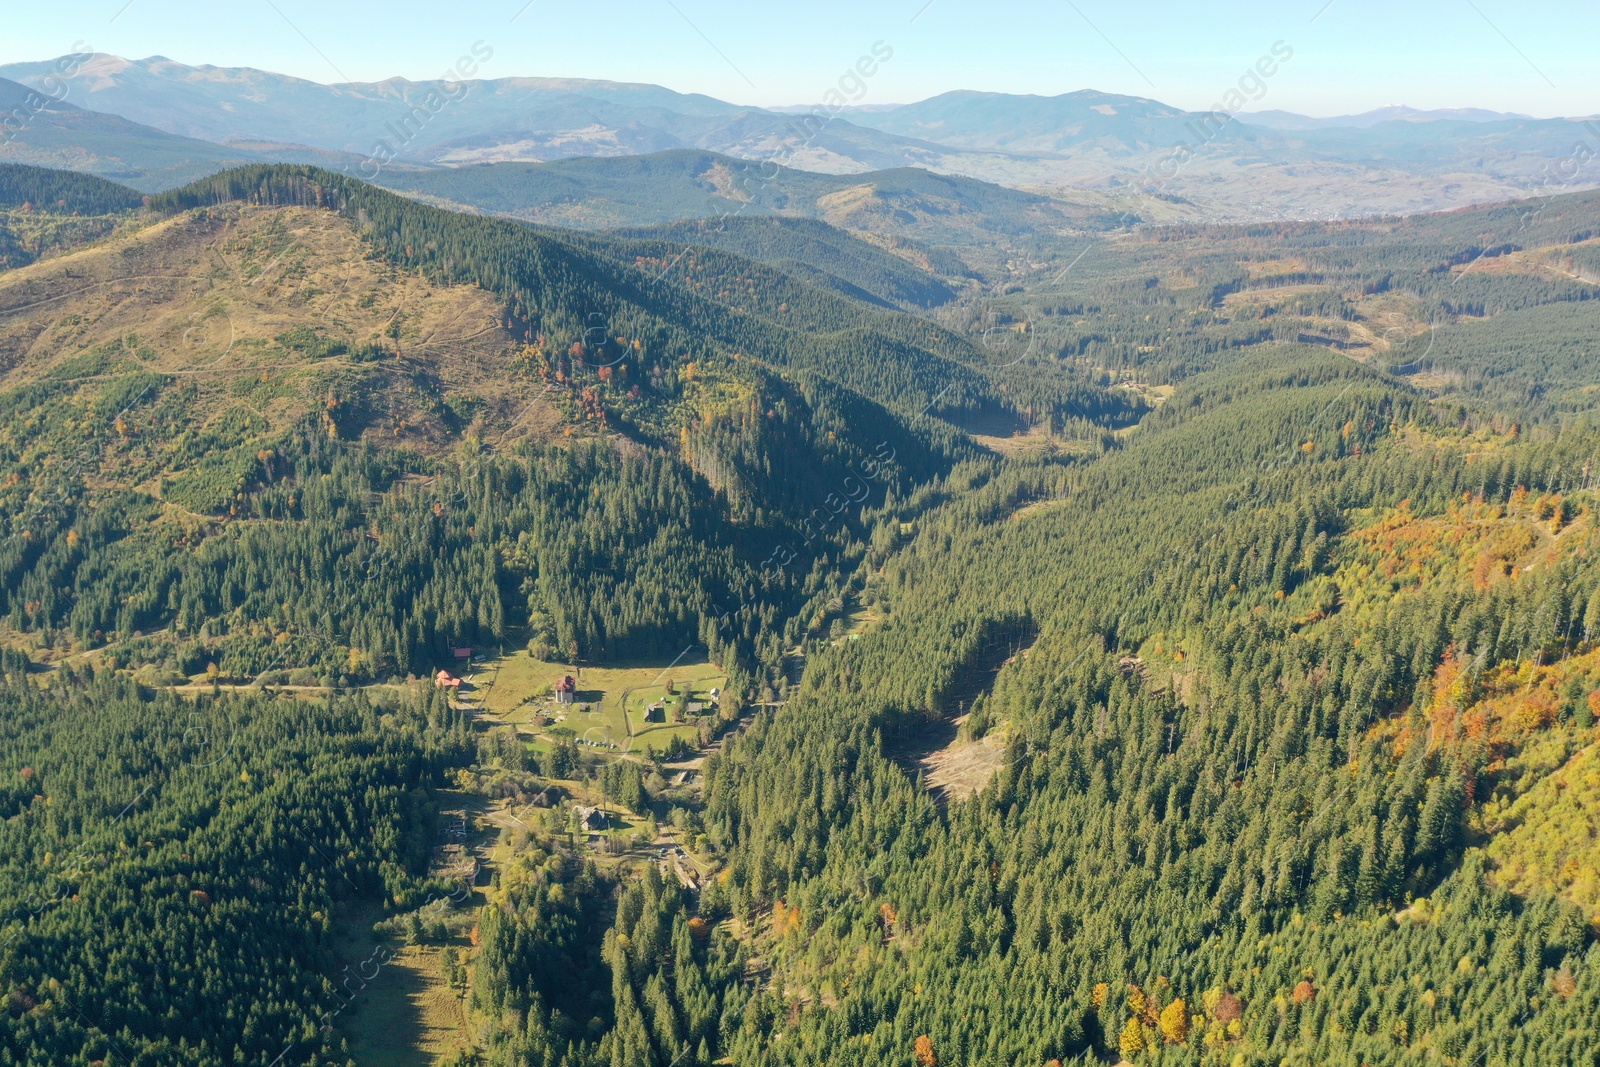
(1175, 1022)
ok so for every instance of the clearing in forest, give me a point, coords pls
(612, 703)
(964, 766)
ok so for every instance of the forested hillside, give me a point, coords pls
(429, 638)
(949, 223)
(42, 210)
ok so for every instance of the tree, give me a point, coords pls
(564, 759)
(1132, 1041)
(1175, 1022)
(922, 1049)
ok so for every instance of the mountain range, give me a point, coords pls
(156, 122)
(1288, 120)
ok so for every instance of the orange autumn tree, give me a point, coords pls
(1143, 1008)
(922, 1049)
(785, 919)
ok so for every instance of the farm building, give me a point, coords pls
(656, 712)
(566, 690)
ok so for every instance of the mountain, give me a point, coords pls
(1084, 121)
(911, 209)
(810, 251)
(1391, 161)
(1238, 704)
(457, 121)
(1288, 120)
(59, 134)
(1131, 158)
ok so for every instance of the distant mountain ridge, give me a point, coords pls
(52, 133)
(470, 119)
(1288, 120)
(1153, 160)
(1036, 125)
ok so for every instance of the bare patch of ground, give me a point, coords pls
(961, 768)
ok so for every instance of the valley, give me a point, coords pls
(1002, 638)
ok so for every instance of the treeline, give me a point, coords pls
(63, 191)
(635, 304)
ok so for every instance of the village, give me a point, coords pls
(559, 745)
(579, 727)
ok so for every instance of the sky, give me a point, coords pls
(1348, 55)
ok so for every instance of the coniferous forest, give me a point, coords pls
(1186, 653)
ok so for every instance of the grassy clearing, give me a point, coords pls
(612, 700)
(407, 1016)
(860, 620)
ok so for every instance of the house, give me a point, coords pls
(566, 690)
(656, 712)
(694, 708)
(716, 693)
(462, 653)
(591, 818)
(445, 680)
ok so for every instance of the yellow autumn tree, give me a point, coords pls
(1175, 1022)
(1132, 1040)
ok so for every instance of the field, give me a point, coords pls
(611, 703)
(407, 1015)
(401, 1010)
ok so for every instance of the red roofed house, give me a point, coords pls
(566, 690)
(445, 680)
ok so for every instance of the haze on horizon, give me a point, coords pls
(1352, 56)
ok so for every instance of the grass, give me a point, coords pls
(404, 1014)
(611, 699)
(407, 1016)
(266, 274)
(860, 620)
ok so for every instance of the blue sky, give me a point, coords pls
(1349, 55)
